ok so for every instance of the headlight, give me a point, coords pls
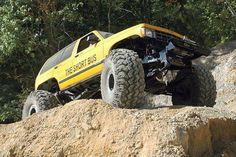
(145, 32)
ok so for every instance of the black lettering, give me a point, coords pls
(92, 59)
(81, 64)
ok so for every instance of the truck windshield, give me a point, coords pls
(105, 34)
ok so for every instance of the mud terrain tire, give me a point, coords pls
(198, 88)
(38, 101)
(122, 79)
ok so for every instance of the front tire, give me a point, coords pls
(197, 88)
(38, 101)
(122, 79)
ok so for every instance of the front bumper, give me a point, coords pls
(186, 45)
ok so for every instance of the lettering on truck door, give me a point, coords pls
(87, 60)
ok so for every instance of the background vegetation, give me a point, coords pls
(33, 30)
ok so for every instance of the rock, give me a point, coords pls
(167, 131)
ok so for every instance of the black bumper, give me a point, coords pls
(186, 45)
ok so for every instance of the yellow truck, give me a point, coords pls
(121, 68)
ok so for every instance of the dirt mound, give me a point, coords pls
(93, 128)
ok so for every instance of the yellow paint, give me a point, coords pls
(101, 50)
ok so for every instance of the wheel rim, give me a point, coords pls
(111, 81)
(32, 110)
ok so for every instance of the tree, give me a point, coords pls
(33, 30)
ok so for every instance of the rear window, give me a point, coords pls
(68, 51)
(52, 61)
(57, 58)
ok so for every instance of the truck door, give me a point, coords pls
(88, 59)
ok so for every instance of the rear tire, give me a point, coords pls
(122, 79)
(38, 101)
(197, 88)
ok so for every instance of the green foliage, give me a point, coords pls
(9, 108)
(31, 31)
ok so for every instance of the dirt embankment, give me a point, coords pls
(222, 62)
(93, 128)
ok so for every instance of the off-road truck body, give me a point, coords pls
(122, 66)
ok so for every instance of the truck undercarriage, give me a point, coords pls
(162, 57)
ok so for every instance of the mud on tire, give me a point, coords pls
(122, 79)
(38, 101)
(198, 88)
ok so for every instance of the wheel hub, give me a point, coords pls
(32, 110)
(111, 81)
